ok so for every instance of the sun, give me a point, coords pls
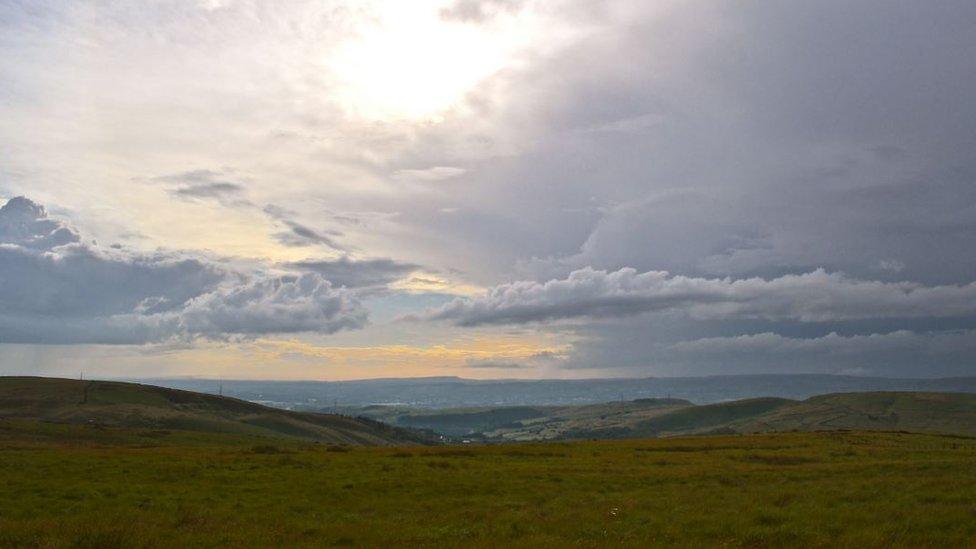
(407, 62)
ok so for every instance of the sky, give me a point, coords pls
(487, 188)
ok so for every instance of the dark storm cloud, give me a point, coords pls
(758, 140)
(904, 353)
(55, 289)
(800, 135)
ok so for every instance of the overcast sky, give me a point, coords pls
(487, 188)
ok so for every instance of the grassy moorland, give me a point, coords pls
(947, 413)
(132, 405)
(96, 486)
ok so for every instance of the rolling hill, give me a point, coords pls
(131, 405)
(949, 413)
(523, 423)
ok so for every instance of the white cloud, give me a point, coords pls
(306, 303)
(435, 173)
(817, 296)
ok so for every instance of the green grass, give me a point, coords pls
(84, 486)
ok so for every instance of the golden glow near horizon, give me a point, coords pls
(477, 356)
(421, 282)
(497, 349)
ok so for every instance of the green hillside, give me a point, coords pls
(713, 416)
(950, 413)
(916, 412)
(131, 405)
(527, 423)
(464, 422)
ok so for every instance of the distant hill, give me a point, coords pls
(948, 413)
(132, 405)
(450, 392)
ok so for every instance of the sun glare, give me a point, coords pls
(409, 63)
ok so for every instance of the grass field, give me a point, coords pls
(85, 486)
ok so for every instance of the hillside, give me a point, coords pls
(646, 418)
(711, 416)
(524, 423)
(131, 405)
(951, 413)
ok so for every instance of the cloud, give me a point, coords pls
(305, 303)
(478, 11)
(436, 173)
(78, 293)
(216, 186)
(205, 185)
(491, 365)
(892, 265)
(299, 235)
(832, 343)
(352, 273)
(24, 223)
(901, 352)
(629, 124)
(772, 139)
(78, 280)
(817, 296)
(209, 190)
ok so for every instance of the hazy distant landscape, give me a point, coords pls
(452, 392)
(947, 413)
(130, 405)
